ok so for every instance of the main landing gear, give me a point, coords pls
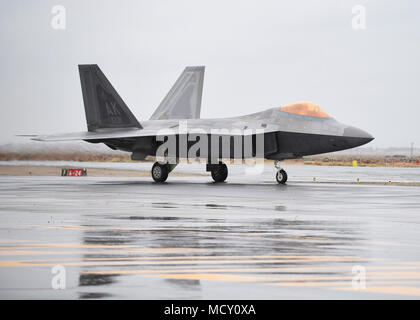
(281, 175)
(160, 171)
(219, 172)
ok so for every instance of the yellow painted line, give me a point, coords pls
(369, 276)
(281, 280)
(410, 263)
(61, 227)
(62, 246)
(13, 240)
(115, 251)
(226, 260)
(348, 284)
(397, 290)
(186, 271)
(154, 258)
(277, 279)
(311, 284)
(222, 257)
(296, 278)
(386, 243)
(245, 278)
(145, 262)
(152, 271)
(252, 235)
(233, 270)
(210, 276)
(127, 248)
(41, 253)
(180, 271)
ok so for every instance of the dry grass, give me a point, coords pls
(321, 160)
(90, 157)
(6, 170)
(365, 161)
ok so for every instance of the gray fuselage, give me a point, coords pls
(286, 135)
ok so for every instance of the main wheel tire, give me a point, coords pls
(219, 173)
(160, 172)
(281, 176)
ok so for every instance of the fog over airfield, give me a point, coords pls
(258, 55)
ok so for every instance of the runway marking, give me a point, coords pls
(63, 246)
(348, 284)
(13, 240)
(303, 278)
(62, 227)
(383, 276)
(145, 262)
(406, 262)
(308, 269)
(386, 243)
(391, 281)
(397, 290)
(41, 253)
(133, 249)
(106, 251)
(287, 259)
(370, 275)
(127, 248)
(279, 280)
(211, 276)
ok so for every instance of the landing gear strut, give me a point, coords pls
(281, 175)
(219, 172)
(161, 171)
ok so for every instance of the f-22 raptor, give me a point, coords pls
(175, 130)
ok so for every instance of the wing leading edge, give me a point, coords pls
(128, 133)
(89, 135)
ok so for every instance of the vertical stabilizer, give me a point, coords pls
(183, 101)
(104, 107)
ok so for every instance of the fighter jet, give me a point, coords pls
(175, 130)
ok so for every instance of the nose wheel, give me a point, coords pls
(281, 175)
(161, 171)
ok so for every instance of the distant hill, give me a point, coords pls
(85, 147)
(366, 151)
(83, 151)
(67, 151)
(31, 147)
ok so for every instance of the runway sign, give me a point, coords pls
(73, 172)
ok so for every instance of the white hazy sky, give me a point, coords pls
(258, 55)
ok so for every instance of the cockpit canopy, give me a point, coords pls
(305, 109)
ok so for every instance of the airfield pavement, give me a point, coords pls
(122, 237)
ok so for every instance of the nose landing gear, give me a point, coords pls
(281, 175)
(161, 171)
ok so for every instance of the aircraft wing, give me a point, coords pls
(129, 133)
(89, 135)
(183, 101)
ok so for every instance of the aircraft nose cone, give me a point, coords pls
(357, 133)
(356, 136)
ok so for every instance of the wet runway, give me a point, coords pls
(128, 238)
